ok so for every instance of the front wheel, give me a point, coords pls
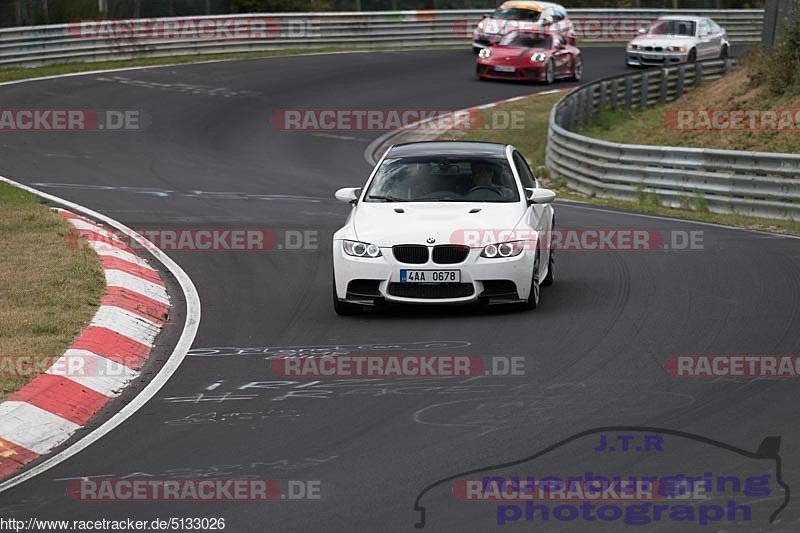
(723, 53)
(550, 73)
(692, 55)
(549, 278)
(533, 297)
(577, 69)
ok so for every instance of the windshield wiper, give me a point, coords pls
(386, 198)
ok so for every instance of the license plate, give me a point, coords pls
(505, 68)
(430, 276)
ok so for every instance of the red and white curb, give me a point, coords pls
(99, 364)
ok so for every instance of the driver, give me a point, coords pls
(482, 175)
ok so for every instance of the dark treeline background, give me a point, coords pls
(29, 12)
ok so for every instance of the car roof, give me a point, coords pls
(428, 148)
(682, 17)
(528, 4)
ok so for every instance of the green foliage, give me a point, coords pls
(780, 68)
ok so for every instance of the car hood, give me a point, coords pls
(663, 40)
(513, 53)
(381, 224)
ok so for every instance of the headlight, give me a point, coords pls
(676, 49)
(484, 53)
(361, 249)
(634, 47)
(538, 57)
(503, 249)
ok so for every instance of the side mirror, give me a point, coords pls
(348, 195)
(486, 16)
(641, 31)
(546, 21)
(540, 196)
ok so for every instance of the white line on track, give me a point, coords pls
(167, 370)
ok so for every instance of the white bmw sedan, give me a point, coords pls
(444, 222)
(678, 39)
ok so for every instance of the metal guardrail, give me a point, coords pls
(754, 183)
(84, 41)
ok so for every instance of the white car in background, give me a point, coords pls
(445, 222)
(678, 39)
(528, 16)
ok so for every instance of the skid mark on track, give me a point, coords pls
(537, 407)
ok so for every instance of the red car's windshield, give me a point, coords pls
(516, 14)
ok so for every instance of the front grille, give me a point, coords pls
(364, 287)
(415, 254)
(448, 254)
(431, 290)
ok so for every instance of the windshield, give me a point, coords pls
(527, 41)
(443, 179)
(516, 14)
(672, 27)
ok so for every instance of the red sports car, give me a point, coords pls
(530, 57)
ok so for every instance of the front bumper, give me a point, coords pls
(642, 58)
(534, 72)
(366, 281)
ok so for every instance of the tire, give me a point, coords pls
(550, 73)
(692, 56)
(344, 308)
(723, 53)
(533, 297)
(551, 261)
(577, 69)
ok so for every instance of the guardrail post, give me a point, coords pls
(662, 89)
(614, 91)
(601, 102)
(644, 90)
(698, 74)
(728, 65)
(628, 91)
(581, 108)
(680, 81)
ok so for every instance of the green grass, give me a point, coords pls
(50, 291)
(742, 89)
(532, 141)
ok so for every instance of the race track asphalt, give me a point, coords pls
(207, 157)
